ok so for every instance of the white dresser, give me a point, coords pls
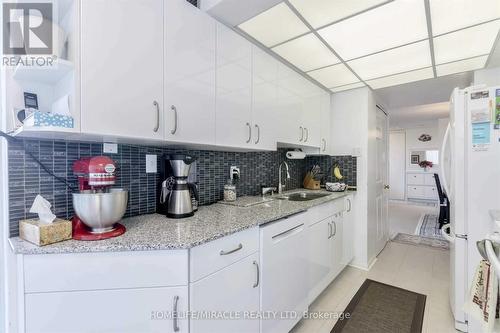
(421, 186)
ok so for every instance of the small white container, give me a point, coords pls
(229, 192)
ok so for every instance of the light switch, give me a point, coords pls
(110, 148)
(151, 164)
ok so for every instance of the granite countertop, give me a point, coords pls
(157, 232)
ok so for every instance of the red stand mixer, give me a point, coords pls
(98, 207)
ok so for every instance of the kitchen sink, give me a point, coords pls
(302, 196)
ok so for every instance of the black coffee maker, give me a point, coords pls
(177, 193)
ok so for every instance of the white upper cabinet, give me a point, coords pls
(190, 66)
(265, 116)
(290, 106)
(122, 68)
(311, 113)
(325, 147)
(234, 89)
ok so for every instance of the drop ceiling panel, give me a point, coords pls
(394, 80)
(461, 66)
(333, 76)
(348, 87)
(449, 15)
(321, 12)
(466, 43)
(307, 53)
(402, 59)
(387, 26)
(274, 26)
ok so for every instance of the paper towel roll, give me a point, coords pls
(295, 155)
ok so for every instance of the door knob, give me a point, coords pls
(386, 187)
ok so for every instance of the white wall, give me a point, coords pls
(397, 165)
(487, 76)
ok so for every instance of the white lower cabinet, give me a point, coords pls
(348, 230)
(320, 257)
(337, 244)
(232, 294)
(120, 310)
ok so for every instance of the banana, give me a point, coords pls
(337, 173)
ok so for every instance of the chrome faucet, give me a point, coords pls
(281, 186)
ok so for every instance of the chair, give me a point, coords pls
(444, 203)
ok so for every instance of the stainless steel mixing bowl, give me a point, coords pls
(100, 211)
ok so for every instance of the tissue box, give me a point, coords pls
(44, 119)
(43, 234)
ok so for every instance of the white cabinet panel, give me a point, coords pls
(325, 147)
(348, 230)
(320, 257)
(415, 179)
(431, 192)
(190, 42)
(122, 68)
(337, 245)
(429, 179)
(234, 89)
(290, 106)
(120, 311)
(234, 289)
(311, 113)
(265, 114)
(416, 191)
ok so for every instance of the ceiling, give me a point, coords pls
(346, 44)
(418, 116)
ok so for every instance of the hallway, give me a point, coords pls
(420, 269)
(404, 216)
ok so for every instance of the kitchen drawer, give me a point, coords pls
(321, 212)
(416, 191)
(429, 179)
(213, 256)
(431, 193)
(109, 270)
(415, 179)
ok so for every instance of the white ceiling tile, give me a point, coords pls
(449, 15)
(394, 80)
(333, 76)
(461, 66)
(274, 26)
(387, 26)
(306, 53)
(401, 59)
(466, 43)
(348, 87)
(321, 12)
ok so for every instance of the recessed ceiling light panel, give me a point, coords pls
(401, 59)
(461, 66)
(394, 80)
(322, 12)
(391, 25)
(348, 87)
(449, 15)
(274, 26)
(466, 43)
(306, 53)
(333, 76)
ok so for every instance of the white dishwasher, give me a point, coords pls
(283, 273)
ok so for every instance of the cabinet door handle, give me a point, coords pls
(329, 230)
(173, 108)
(324, 145)
(258, 134)
(157, 107)
(249, 133)
(307, 134)
(257, 278)
(335, 228)
(350, 205)
(225, 253)
(301, 133)
(175, 314)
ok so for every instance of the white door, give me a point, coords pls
(397, 165)
(234, 89)
(325, 147)
(190, 43)
(235, 288)
(122, 68)
(311, 113)
(265, 118)
(320, 257)
(381, 184)
(290, 106)
(121, 310)
(337, 245)
(348, 231)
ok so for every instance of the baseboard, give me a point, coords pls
(362, 266)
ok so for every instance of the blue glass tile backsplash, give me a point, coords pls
(27, 179)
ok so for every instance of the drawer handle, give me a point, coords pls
(330, 230)
(157, 108)
(257, 280)
(284, 234)
(176, 314)
(225, 253)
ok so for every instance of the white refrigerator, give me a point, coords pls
(470, 159)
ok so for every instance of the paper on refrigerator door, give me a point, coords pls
(479, 107)
(497, 109)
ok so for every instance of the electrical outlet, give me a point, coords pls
(234, 173)
(110, 148)
(151, 164)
